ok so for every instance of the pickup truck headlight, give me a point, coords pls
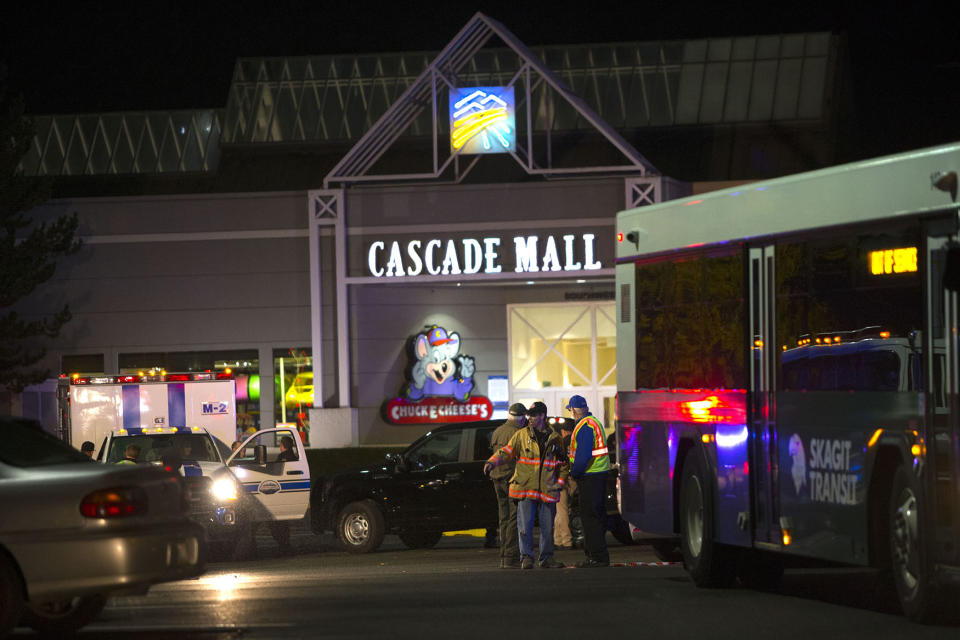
(224, 489)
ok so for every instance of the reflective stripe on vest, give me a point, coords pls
(599, 460)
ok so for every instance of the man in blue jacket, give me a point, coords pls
(590, 464)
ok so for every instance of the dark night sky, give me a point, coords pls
(110, 56)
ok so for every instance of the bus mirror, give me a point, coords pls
(951, 269)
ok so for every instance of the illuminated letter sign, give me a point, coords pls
(889, 261)
(482, 120)
(435, 257)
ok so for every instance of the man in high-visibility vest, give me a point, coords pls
(590, 464)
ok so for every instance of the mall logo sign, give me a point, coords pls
(470, 255)
(482, 120)
(441, 383)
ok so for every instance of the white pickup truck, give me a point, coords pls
(265, 479)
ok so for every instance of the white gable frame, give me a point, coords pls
(355, 166)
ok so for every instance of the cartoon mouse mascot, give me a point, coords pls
(434, 372)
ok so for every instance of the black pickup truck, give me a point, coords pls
(435, 485)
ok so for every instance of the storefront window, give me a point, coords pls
(557, 350)
(550, 346)
(91, 364)
(293, 379)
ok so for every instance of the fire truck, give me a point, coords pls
(187, 421)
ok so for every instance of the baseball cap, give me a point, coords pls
(577, 402)
(537, 409)
(517, 409)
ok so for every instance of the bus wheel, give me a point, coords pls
(708, 563)
(911, 575)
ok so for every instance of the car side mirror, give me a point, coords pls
(260, 454)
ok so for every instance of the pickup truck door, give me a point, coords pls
(429, 491)
(280, 488)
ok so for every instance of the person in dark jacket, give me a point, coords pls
(589, 466)
(507, 508)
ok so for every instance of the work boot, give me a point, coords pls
(551, 564)
(526, 563)
(509, 563)
(592, 564)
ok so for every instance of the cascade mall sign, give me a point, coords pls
(472, 255)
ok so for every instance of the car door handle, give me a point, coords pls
(294, 473)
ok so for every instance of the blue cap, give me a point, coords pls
(577, 402)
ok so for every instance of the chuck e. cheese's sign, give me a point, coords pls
(488, 255)
(441, 384)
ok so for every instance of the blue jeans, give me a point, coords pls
(545, 511)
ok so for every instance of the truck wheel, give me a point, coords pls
(62, 617)
(11, 596)
(360, 527)
(667, 550)
(912, 577)
(419, 539)
(709, 564)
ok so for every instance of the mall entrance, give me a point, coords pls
(561, 349)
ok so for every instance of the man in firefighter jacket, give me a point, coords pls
(506, 506)
(589, 467)
(540, 474)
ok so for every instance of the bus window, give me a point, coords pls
(689, 321)
(841, 324)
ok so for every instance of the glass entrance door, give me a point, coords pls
(558, 350)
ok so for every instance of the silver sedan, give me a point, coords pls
(73, 532)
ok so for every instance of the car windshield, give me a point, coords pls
(26, 444)
(154, 447)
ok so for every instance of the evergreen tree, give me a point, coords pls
(28, 250)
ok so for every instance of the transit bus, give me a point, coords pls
(787, 375)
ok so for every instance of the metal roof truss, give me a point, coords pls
(440, 77)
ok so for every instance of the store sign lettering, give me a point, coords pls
(470, 255)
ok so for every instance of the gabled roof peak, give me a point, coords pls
(532, 80)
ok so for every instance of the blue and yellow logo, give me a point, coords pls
(482, 120)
